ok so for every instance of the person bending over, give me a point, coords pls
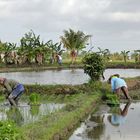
(118, 84)
(13, 90)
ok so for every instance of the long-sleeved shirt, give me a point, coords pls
(117, 83)
(10, 85)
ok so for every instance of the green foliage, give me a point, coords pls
(67, 118)
(93, 65)
(31, 47)
(8, 131)
(74, 42)
(112, 99)
(34, 99)
(105, 54)
(125, 55)
(137, 56)
(7, 50)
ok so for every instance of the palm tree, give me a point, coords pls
(137, 55)
(125, 55)
(74, 42)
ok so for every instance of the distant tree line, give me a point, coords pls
(32, 50)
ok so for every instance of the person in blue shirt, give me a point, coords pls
(118, 84)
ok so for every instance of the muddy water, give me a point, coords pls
(111, 123)
(67, 76)
(25, 113)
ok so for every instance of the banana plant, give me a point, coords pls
(125, 55)
(8, 48)
(1, 50)
(32, 48)
(137, 56)
(105, 53)
(55, 49)
(28, 43)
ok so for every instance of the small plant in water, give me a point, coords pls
(34, 99)
(8, 131)
(112, 99)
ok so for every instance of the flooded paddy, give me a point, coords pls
(25, 113)
(67, 76)
(111, 123)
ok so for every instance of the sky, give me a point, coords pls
(113, 24)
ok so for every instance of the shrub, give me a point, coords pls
(93, 65)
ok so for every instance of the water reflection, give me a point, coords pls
(15, 115)
(111, 123)
(25, 113)
(65, 76)
(93, 128)
(97, 130)
(34, 110)
(118, 115)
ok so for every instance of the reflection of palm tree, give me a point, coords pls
(15, 115)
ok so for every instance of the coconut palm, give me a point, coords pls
(125, 55)
(74, 42)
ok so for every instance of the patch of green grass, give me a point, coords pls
(8, 131)
(76, 108)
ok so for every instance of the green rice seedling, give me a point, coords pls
(34, 99)
(112, 99)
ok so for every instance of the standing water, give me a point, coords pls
(111, 123)
(25, 113)
(67, 76)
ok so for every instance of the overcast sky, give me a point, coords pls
(113, 24)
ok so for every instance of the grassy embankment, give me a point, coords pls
(79, 100)
(66, 64)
